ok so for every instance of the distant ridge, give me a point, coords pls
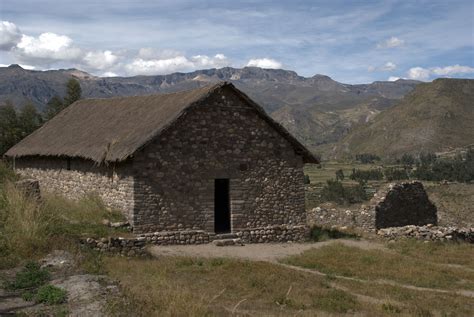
(435, 117)
(317, 110)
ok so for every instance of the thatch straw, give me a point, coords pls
(112, 129)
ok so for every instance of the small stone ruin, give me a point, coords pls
(394, 205)
(405, 204)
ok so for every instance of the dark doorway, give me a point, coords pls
(221, 206)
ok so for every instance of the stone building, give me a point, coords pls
(208, 159)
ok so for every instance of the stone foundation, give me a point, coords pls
(135, 246)
(429, 233)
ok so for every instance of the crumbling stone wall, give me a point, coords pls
(405, 204)
(394, 205)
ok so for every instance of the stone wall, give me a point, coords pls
(137, 245)
(429, 233)
(77, 178)
(405, 204)
(223, 138)
(394, 205)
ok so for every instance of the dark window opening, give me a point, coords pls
(221, 206)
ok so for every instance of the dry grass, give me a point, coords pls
(437, 252)
(26, 227)
(176, 286)
(338, 259)
(412, 302)
(29, 229)
(455, 202)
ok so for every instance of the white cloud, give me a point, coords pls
(264, 63)
(452, 70)
(48, 47)
(160, 66)
(387, 67)
(10, 35)
(393, 78)
(219, 60)
(421, 73)
(100, 59)
(418, 73)
(140, 66)
(109, 74)
(391, 43)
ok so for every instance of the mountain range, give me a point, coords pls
(317, 110)
(435, 117)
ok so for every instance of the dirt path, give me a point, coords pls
(269, 252)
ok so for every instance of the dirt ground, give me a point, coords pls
(270, 252)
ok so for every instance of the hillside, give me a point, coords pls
(318, 110)
(435, 117)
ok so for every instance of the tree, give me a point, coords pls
(407, 160)
(53, 107)
(9, 131)
(28, 120)
(73, 92)
(339, 175)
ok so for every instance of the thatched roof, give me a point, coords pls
(112, 129)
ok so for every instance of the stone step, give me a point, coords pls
(223, 236)
(228, 242)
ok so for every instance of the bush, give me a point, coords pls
(336, 192)
(51, 295)
(32, 275)
(340, 175)
(367, 158)
(395, 174)
(360, 175)
(322, 234)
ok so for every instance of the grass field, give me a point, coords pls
(175, 286)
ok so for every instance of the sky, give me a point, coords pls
(351, 41)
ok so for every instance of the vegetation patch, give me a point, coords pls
(51, 295)
(318, 233)
(338, 259)
(31, 276)
(180, 286)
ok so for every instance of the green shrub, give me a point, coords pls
(51, 295)
(361, 175)
(318, 233)
(32, 275)
(367, 158)
(336, 192)
(395, 174)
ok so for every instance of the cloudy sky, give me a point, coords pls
(351, 41)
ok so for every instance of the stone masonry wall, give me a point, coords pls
(394, 205)
(137, 245)
(169, 184)
(75, 179)
(223, 138)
